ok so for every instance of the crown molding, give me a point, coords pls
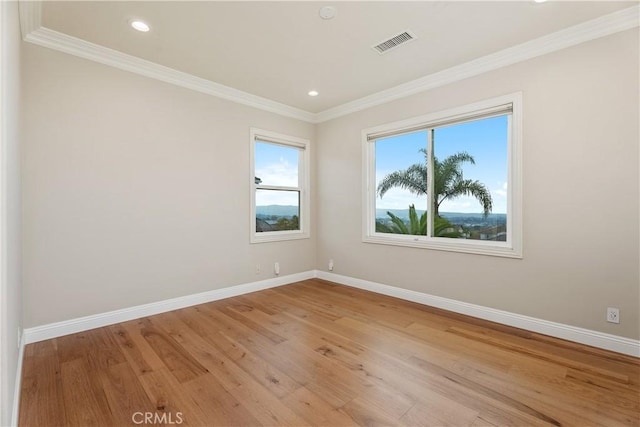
(622, 20)
(30, 16)
(32, 31)
(74, 46)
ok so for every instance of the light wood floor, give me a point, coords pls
(316, 353)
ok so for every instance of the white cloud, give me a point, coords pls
(502, 192)
(281, 173)
(397, 198)
(460, 204)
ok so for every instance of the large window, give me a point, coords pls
(448, 181)
(280, 187)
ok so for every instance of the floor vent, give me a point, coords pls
(394, 42)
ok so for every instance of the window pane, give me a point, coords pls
(276, 165)
(277, 210)
(401, 184)
(470, 181)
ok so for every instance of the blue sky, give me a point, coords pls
(485, 140)
(276, 165)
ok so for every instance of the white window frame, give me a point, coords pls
(303, 185)
(513, 246)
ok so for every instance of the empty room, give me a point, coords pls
(346, 213)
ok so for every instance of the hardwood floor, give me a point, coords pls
(317, 353)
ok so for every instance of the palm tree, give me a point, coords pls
(448, 181)
(417, 226)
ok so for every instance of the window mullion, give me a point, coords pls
(430, 184)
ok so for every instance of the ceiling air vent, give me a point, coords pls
(394, 42)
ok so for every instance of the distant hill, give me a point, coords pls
(277, 210)
(454, 217)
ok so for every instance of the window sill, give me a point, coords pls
(278, 236)
(456, 245)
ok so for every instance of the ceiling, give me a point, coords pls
(282, 50)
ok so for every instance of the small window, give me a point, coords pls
(448, 181)
(280, 187)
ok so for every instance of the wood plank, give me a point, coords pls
(223, 406)
(125, 394)
(41, 400)
(83, 405)
(266, 408)
(269, 376)
(439, 411)
(130, 349)
(180, 363)
(172, 398)
(364, 415)
(314, 409)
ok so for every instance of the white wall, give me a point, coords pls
(136, 191)
(10, 279)
(580, 154)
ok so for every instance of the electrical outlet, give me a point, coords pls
(276, 268)
(330, 265)
(613, 315)
(257, 268)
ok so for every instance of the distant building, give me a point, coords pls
(262, 225)
(498, 234)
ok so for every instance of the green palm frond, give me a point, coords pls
(475, 189)
(398, 227)
(443, 228)
(448, 181)
(383, 228)
(414, 222)
(413, 179)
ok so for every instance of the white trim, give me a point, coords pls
(600, 27)
(602, 340)
(512, 248)
(597, 339)
(612, 23)
(84, 49)
(15, 411)
(303, 188)
(30, 16)
(71, 326)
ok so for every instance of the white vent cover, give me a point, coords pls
(394, 41)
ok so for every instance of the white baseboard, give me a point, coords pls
(16, 390)
(72, 326)
(572, 333)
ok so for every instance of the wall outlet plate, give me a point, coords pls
(613, 315)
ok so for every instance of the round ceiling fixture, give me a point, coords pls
(139, 25)
(313, 93)
(327, 12)
(540, 1)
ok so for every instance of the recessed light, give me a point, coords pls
(327, 12)
(539, 1)
(139, 25)
(313, 93)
